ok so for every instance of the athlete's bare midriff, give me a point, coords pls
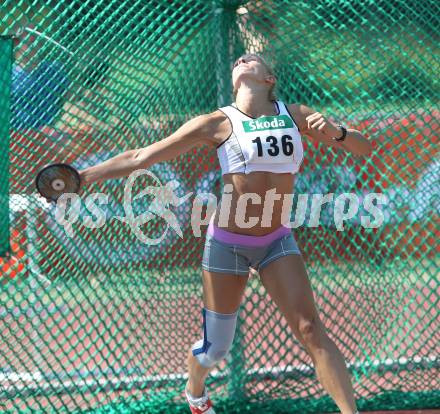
(258, 183)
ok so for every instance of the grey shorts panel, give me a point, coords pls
(236, 259)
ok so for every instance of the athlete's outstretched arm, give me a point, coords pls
(195, 132)
(316, 126)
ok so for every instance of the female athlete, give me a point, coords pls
(258, 142)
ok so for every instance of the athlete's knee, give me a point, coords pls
(218, 335)
(311, 332)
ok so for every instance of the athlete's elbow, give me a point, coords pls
(146, 157)
(370, 149)
(141, 158)
(361, 146)
(366, 149)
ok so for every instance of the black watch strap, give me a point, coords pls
(344, 133)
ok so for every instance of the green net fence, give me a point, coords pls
(94, 320)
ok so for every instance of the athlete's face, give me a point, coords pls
(250, 67)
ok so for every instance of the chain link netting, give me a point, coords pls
(94, 320)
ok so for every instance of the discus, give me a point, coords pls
(56, 179)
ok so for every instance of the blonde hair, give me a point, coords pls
(269, 70)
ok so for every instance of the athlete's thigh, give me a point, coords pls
(222, 292)
(286, 280)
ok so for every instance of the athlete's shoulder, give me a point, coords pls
(213, 120)
(213, 126)
(217, 116)
(206, 122)
(221, 126)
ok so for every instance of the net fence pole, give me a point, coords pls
(37, 282)
(223, 18)
(6, 59)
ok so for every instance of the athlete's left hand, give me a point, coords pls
(317, 122)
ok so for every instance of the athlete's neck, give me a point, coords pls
(254, 102)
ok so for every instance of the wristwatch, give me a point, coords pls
(344, 134)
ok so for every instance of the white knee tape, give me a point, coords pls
(218, 334)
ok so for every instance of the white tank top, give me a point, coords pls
(267, 143)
